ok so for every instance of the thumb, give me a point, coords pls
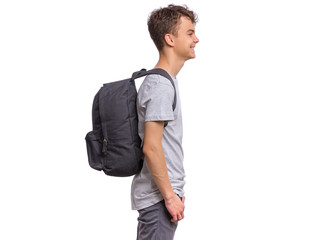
(183, 199)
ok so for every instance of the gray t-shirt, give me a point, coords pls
(154, 103)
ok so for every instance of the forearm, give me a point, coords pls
(157, 166)
(156, 163)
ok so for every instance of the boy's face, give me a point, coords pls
(185, 39)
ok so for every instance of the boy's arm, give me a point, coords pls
(156, 162)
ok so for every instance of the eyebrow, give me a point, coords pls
(191, 30)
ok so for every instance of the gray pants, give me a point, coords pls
(154, 223)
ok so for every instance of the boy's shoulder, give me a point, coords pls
(156, 80)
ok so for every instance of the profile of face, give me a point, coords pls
(185, 40)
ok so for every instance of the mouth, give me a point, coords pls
(193, 49)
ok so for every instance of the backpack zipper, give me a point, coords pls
(104, 145)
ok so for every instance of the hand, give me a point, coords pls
(175, 207)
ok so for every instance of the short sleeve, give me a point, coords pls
(158, 102)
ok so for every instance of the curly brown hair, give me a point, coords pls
(166, 20)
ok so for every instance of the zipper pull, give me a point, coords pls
(104, 145)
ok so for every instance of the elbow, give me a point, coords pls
(150, 150)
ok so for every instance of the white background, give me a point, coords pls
(258, 106)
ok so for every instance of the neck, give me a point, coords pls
(170, 63)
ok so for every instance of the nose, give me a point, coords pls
(196, 40)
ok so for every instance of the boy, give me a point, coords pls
(157, 191)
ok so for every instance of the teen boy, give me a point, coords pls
(157, 191)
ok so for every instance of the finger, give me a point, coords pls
(179, 217)
(174, 219)
(183, 199)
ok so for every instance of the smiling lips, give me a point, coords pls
(193, 48)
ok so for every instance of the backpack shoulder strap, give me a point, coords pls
(159, 71)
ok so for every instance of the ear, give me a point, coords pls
(169, 40)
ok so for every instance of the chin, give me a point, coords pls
(190, 56)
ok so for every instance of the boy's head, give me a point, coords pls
(166, 20)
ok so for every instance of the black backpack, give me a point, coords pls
(114, 145)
